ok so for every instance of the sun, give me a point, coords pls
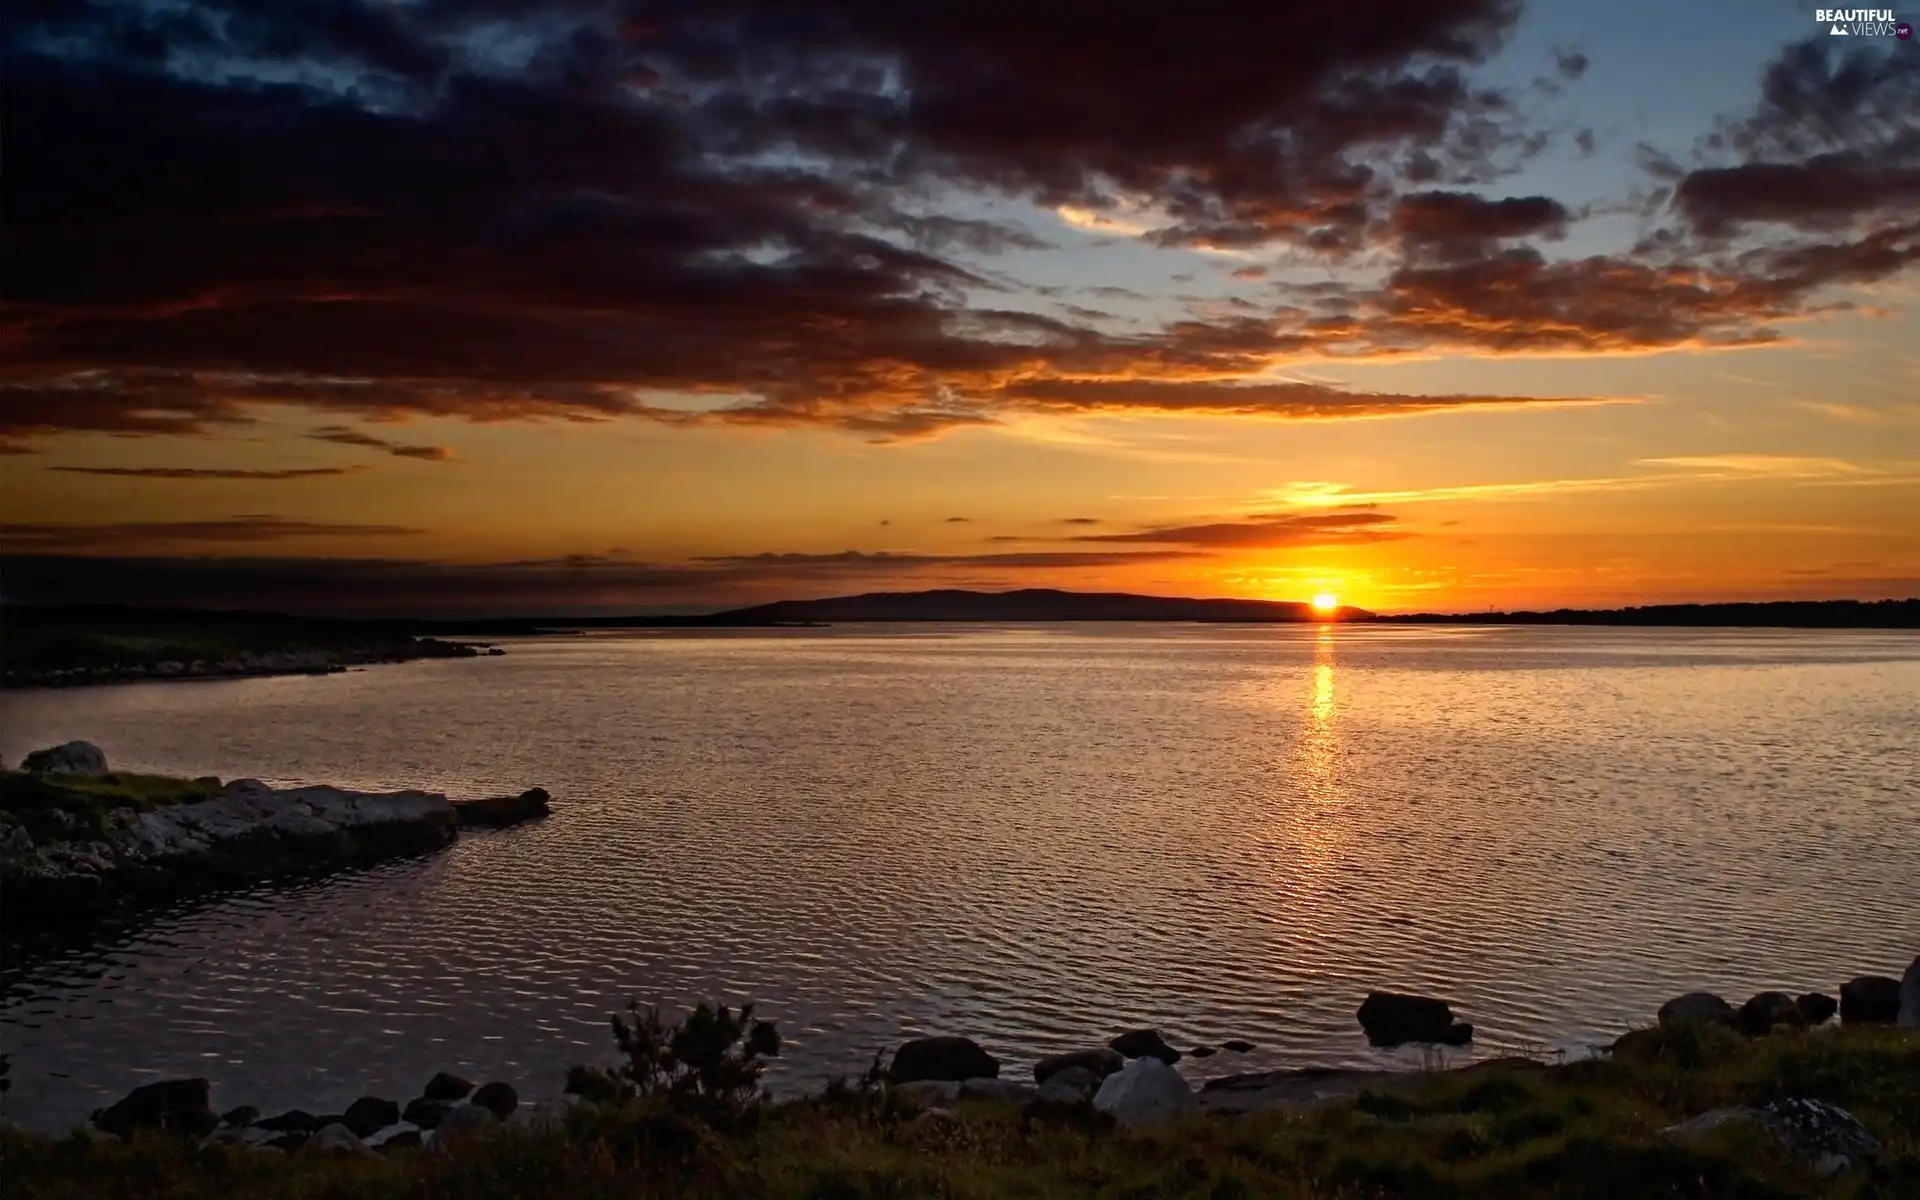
(1325, 602)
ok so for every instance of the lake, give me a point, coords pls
(1036, 836)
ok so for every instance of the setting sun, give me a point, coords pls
(1325, 602)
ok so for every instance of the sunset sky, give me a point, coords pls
(425, 306)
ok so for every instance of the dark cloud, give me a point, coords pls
(1290, 401)
(1450, 226)
(1571, 64)
(134, 536)
(342, 435)
(1338, 528)
(958, 520)
(1249, 273)
(1080, 520)
(211, 473)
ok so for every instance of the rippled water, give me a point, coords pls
(1033, 836)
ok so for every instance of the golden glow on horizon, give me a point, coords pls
(1325, 602)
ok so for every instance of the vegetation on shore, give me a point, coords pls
(1513, 1128)
(64, 808)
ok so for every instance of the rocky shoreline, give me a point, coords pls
(243, 665)
(76, 837)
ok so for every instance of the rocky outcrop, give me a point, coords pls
(1073, 1085)
(445, 1086)
(369, 1115)
(1391, 1018)
(1870, 1000)
(1909, 1014)
(248, 832)
(179, 1106)
(1816, 1008)
(1703, 1007)
(942, 1058)
(1145, 1093)
(1760, 1015)
(1144, 1043)
(497, 812)
(68, 758)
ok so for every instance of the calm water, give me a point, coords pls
(1033, 836)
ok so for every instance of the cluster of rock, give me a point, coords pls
(246, 832)
(1864, 1000)
(246, 663)
(448, 1109)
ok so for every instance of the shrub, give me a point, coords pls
(708, 1066)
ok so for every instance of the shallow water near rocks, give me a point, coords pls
(1036, 836)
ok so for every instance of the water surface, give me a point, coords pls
(1035, 836)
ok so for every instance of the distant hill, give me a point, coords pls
(1031, 604)
(1780, 614)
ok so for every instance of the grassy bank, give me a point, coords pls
(61, 808)
(1513, 1129)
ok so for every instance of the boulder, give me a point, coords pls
(446, 1087)
(425, 1113)
(398, 1138)
(1758, 1016)
(336, 1138)
(497, 1098)
(464, 1121)
(1102, 1063)
(1202, 1052)
(240, 1118)
(1870, 1000)
(1829, 1139)
(294, 1120)
(497, 812)
(1391, 1018)
(1145, 1093)
(68, 758)
(369, 1115)
(1074, 1085)
(174, 1105)
(942, 1058)
(1816, 1007)
(1703, 1007)
(1144, 1043)
(1909, 1015)
(929, 1093)
(1237, 1045)
(289, 1141)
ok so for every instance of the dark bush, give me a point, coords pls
(708, 1066)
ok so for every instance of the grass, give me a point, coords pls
(56, 808)
(1517, 1129)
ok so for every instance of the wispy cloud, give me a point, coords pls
(135, 536)
(1786, 466)
(343, 435)
(210, 473)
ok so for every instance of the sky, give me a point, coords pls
(424, 306)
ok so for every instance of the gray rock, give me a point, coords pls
(394, 1137)
(1909, 1016)
(1071, 1086)
(1703, 1007)
(425, 1113)
(929, 1093)
(462, 1122)
(240, 1117)
(1828, 1138)
(1144, 1043)
(497, 1098)
(15, 840)
(1391, 1018)
(68, 758)
(1147, 1092)
(942, 1058)
(336, 1139)
(1870, 1000)
(1101, 1062)
(1010, 1090)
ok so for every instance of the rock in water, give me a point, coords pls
(1909, 1017)
(1870, 1000)
(369, 1115)
(294, 1120)
(942, 1058)
(1147, 1092)
(1758, 1016)
(337, 1139)
(1703, 1007)
(1102, 1063)
(1237, 1045)
(240, 1118)
(1391, 1018)
(497, 1098)
(497, 812)
(175, 1105)
(1144, 1043)
(1816, 1008)
(68, 758)
(447, 1087)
